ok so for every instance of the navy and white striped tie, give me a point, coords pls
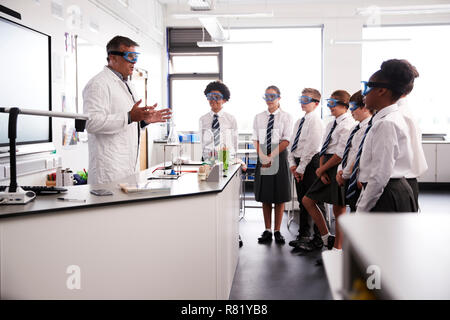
(327, 141)
(297, 136)
(216, 130)
(352, 182)
(269, 134)
(348, 145)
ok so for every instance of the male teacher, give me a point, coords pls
(115, 118)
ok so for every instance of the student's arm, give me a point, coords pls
(384, 153)
(280, 148)
(262, 157)
(312, 143)
(333, 161)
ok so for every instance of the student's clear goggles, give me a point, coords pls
(367, 86)
(307, 99)
(214, 96)
(270, 96)
(354, 105)
(331, 103)
(130, 56)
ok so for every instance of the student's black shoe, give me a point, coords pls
(279, 237)
(319, 262)
(330, 243)
(294, 243)
(317, 242)
(240, 242)
(265, 237)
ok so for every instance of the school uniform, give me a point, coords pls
(386, 158)
(218, 129)
(334, 143)
(272, 185)
(304, 147)
(419, 163)
(353, 141)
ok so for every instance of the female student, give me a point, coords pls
(386, 154)
(326, 188)
(361, 114)
(271, 135)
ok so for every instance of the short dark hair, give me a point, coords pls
(274, 88)
(218, 86)
(400, 74)
(313, 92)
(358, 98)
(342, 95)
(115, 43)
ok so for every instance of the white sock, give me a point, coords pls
(335, 249)
(269, 230)
(325, 238)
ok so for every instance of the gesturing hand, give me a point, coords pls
(157, 115)
(137, 113)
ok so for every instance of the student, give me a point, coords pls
(326, 188)
(386, 153)
(217, 127)
(361, 114)
(419, 163)
(303, 159)
(271, 135)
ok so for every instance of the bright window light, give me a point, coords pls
(428, 51)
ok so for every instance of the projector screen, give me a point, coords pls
(25, 81)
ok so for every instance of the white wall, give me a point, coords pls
(143, 21)
(342, 63)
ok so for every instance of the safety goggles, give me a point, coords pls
(367, 86)
(130, 56)
(334, 102)
(354, 105)
(214, 96)
(307, 99)
(270, 96)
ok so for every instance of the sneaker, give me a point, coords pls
(265, 237)
(279, 237)
(294, 243)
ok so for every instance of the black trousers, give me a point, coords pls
(302, 187)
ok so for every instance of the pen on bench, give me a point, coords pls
(75, 200)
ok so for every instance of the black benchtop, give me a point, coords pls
(186, 185)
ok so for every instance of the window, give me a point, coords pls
(292, 62)
(428, 49)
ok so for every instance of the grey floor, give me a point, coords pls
(272, 272)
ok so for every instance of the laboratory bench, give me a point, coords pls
(177, 243)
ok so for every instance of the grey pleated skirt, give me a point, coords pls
(273, 185)
(397, 196)
(329, 193)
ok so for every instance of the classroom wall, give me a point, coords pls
(341, 63)
(95, 21)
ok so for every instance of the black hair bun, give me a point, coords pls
(399, 72)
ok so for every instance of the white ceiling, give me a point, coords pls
(240, 1)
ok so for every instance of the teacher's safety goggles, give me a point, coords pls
(214, 96)
(270, 96)
(334, 102)
(367, 86)
(307, 99)
(130, 56)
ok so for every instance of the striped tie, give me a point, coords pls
(352, 182)
(297, 136)
(327, 141)
(216, 130)
(348, 145)
(269, 134)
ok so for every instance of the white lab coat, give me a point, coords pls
(113, 143)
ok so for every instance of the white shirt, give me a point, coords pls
(386, 154)
(419, 163)
(356, 141)
(309, 141)
(228, 132)
(282, 126)
(345, 123)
